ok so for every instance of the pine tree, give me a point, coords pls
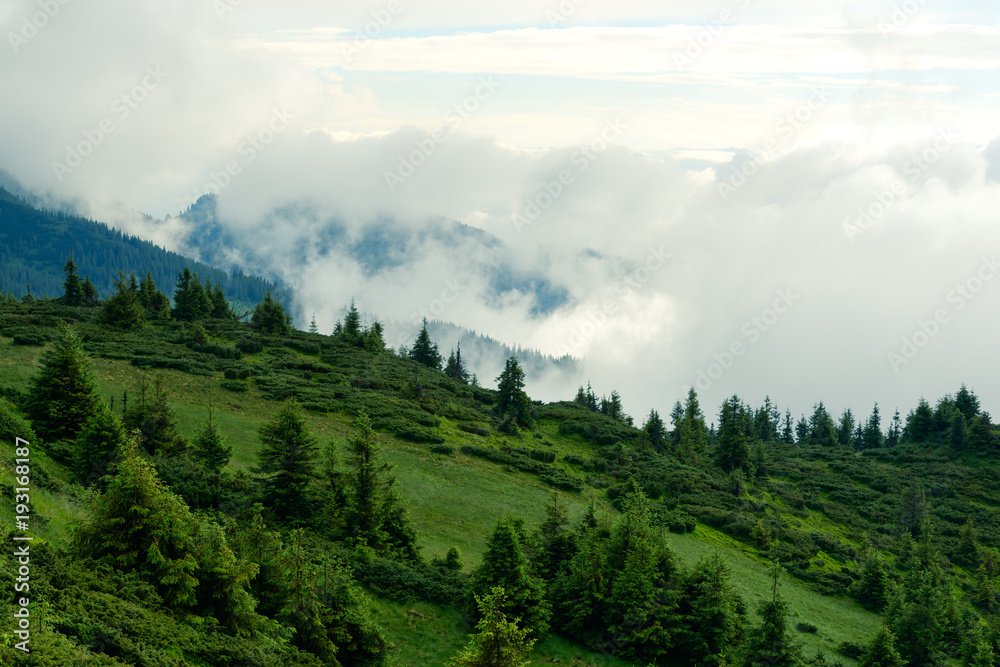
(73, 289)
(63, 395)
(655, 431)
(350, 332)
(154, 420)
(555, 541)
(913, 510)
(123, 310)
(981, 437)
(377, 514)
(787, 432)
(141, 526)
(873, 588)
(845, 430)
(693, 440)
(287, 460)
(424, 351)
(957, 435)
(822, 431)
(513, 403)
(500, 641)
(209, 446)
(455, 367)
(97, 447)
(269, 316)
(154, 302)
(872, 437)
(615, 409)
(769, 643)
(802, 430)
(374, 338)
(89, 293)
(881, 652)
(967, 403)
(190, 301)
(919, 423)
(733, 447)
(312, 325)
(895, 434)
(220, 306)
(711, 609)
(504, 564)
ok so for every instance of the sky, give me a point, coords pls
(755, 198)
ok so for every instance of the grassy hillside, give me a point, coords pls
(812, 508)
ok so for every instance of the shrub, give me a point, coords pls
(418, 434)
(439, 448)
(234, 385)
(474, 430)
(806, 627)
(250, 344)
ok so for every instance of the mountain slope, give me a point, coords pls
(35, 244)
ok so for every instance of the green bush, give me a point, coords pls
(474, 430)
(418, 434)
(234, 385)
(249, 344)
(439, 448)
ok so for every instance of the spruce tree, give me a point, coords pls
(500, 641)
(655, 431)
(97, 446)
(845, 429)
(455, 368)
(154, 302)
(424, 351)
(881, 652)
(63, 395)
(269, 317)
(190, 301)
(209, 446)
(981, 436)
(711, 607)
(220, 306)
(312, 325)
(350, 332)
(873, 588)
(693, 440)
(555, 541)
(770, 644)
(141, 526)
(919, 423)
(123, 310)
(154, 420)
(957, 435)
(374, 338)
(967, 403)
(733, 448)
(505, 564)
(72, 288)
(513, 403)
(288, 462)
(89, 293)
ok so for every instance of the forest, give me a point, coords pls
(212, 491)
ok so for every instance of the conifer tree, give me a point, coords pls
(881, 652)
(873, 588)
(693, 440)
(154, 420)
(513, 403)
(209, 446)
(504, 564)
(312, 325)
(269, 316)
(769, 643)
(967, 403)
(872, 437)
(845, 429)
(555, 541)
(377, 514)
(499, 641)
(190, 301)
(223, 580)
(981, 437)
(919, 423)
(350, 332)
(72, 288)
(98, 445)
(220, 305)
(787, 432)
(713, 622)
(655, 431)
(123, 310)
(957, 435)
(154, 302)
(802, 430)
(822, 431)
(733, 449)
(424, 351)
(288, 461)
(89, 293)
(676, 420)
(374, 339)
(455, 368)
(141, 526)
(63, 395)
(895, 434)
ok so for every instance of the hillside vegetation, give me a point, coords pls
(212, 492)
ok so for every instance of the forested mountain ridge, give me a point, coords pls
(613, 544)
(34, 245)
